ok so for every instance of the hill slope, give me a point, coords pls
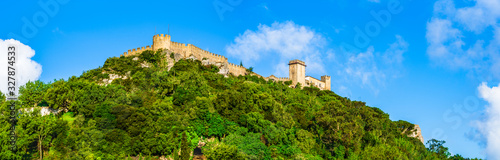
(136, 106)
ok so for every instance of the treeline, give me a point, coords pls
(154, 112)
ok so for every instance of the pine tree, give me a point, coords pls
(175, 154)
(184, 147)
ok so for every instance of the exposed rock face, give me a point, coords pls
(192, 57)
(171, 62)
(44, 110)
(145, 65)
(205, 62)
(113, 77)
(417, 133)
(178, 57)
(201, 142)
(223, 68)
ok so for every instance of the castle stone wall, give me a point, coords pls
(179, 48)
(200, 54)
(277, 79)
(310, 81)
(136, 51)
(296, 67)
(237, 70)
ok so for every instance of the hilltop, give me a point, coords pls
(138, 106)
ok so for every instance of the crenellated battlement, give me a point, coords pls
(283, 79)
(177, 44)
(161, 41)
(235, 65)
(136, 51)
(296, 67)
(161, 36)
(277, 79)
(296, 61)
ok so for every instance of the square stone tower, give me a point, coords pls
(297, 70)
(161, 42)
(327, 80)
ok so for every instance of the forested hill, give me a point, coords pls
(136, 107)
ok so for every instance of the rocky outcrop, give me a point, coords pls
(45, 110)
(113, 77)
(417, 133)
(223, 68)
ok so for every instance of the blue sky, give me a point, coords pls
(425, 64)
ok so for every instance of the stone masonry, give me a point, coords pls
(297, 68)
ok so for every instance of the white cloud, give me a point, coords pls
(466, 38)
(490, 128)
(476, 18)
(26, 69)
(372, 69)
(444, 7)
(394, 55)
(441, 31)
(287, 40)
(483, 14)
(363, 66)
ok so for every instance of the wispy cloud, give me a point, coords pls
(363, 67)
(287, 40)
(264, 5)
(372, 69)
(451, 29)
(468, 38)
(490, 126)
(26, 68)
(394, 54)
(369, 69)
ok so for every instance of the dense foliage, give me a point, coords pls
(153, 112)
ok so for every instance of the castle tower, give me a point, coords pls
(161, 41)
(297, 71)
(327, 80)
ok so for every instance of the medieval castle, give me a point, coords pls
(297, 68)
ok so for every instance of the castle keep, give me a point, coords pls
(297, 68)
